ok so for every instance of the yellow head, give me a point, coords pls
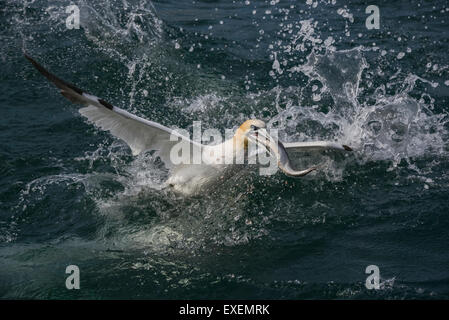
(248, 127)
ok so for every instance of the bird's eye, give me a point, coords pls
(253, 127)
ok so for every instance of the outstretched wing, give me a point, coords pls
(315, 145)
(140, 134)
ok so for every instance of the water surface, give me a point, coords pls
(72, 194)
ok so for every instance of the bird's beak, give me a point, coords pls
(277, 149)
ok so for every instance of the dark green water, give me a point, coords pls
(72, 194)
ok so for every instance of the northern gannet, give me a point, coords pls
(187, 178)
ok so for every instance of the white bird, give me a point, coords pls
(218, 161)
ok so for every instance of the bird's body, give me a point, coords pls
(199, 165)
(217, 163)
(193, 178)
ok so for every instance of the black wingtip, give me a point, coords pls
(347, 148)
(35, 64)
(51, 77)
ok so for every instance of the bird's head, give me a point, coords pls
(255, 131)
(250, 128)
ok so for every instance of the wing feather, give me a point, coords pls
(315, 145)
(140, 134)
